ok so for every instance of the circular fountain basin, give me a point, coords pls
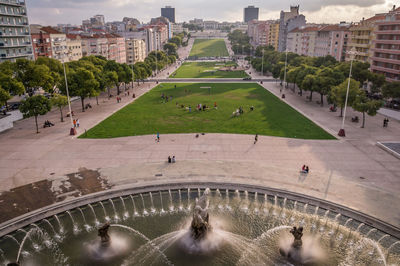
(151, 225)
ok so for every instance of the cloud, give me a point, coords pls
(74, 11)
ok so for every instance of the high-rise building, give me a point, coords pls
(288, 22)
(250, 13)
(15, 39)
(386, 46)
(169, 13)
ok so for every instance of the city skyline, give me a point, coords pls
(73, 11)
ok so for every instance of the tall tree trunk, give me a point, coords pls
(117, 89)
(6, 106)
(109, 92)
(125, 85)
(322, 99)
(62, 118)
(301, 92)
(363, 124)
(97, 100)
(37, 127)
(341, 111)
(83, 104)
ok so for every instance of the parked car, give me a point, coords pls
(247, 78)
(15, 106)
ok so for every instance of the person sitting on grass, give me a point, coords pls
(251, 108)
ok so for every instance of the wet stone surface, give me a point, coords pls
(33, 196)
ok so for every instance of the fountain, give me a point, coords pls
(180, 225)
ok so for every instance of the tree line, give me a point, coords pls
(328, 77)
(87, 77)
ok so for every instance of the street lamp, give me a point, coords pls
(284, 75)
(133, 76)
(72, 131)
(262, 63)
(352, 54)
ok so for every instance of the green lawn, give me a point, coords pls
(150, 113)
(209, 47)
(207, 70)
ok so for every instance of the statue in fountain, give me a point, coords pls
(298, 234)
(293, 252)
(103, 234)
(200, 223)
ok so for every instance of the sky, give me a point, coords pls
(53, 12)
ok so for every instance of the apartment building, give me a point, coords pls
(116, 48)
(74, 49)
(41, 42)
(94, 45)
(135, 50)
(263, 33)
(58, 42)
(289, 21)
(362, 34)
(386, 46)
(15, 40)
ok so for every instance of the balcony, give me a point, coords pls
(387, 51)
(384, 69)
(12, 14)
(361, 45)
(8, 56)
(13, 45)
(387, 32)
(13, 25)
(12, 3)
(361, 37)
(386, 60)
(387, 41)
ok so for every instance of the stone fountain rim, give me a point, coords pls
(60, 207)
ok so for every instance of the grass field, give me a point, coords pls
(150, 114)
(209, 47)
(207, 70)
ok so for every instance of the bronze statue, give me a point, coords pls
(298, 234)
(103, 234)
(200, 223)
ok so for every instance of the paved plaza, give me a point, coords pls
(351, 171)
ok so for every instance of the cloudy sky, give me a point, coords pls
(52, 12)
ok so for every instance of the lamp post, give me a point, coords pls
(262, 63)
(133, 76)
(72, 131)
(352, 54)
(284, 75)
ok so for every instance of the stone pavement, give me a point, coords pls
(350, 171)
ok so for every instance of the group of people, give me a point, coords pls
(119, 99)
(201, 107)
(305, 169)
(76, 122)
(47, 123)
(166, 98)
(171, 159)
(385, 122)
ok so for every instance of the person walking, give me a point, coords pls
(74, 122)
(256, 139)
(169, 159)
(173, 159)
(77, 122)
(158, 136)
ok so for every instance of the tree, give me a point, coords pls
(60, 101)
(338, 94)
(4, 96)
(117, 68)
(309, 83)
(291, 75)
(365, 105)
(11, 86)
(177, 40)
(391, 90)
(33, 76)
(110, 78)
(326, 78)
(377, 80)
(170, 48)
(82, 83)
(35, 106)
